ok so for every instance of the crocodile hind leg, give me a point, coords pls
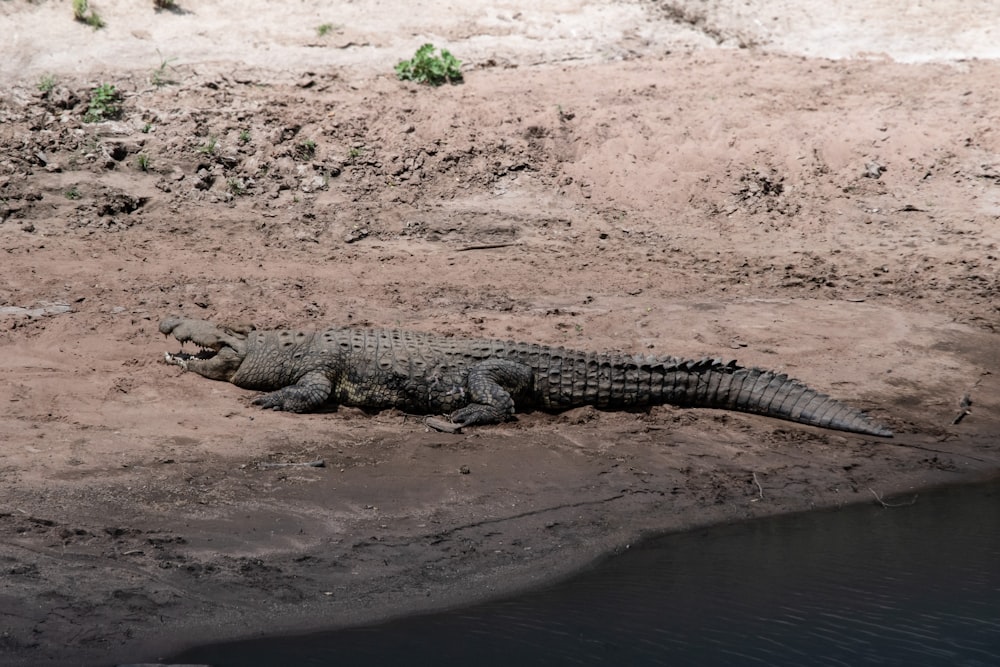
(490, 386)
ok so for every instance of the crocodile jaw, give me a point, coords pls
(221, 348)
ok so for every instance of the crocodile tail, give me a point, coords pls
(711, 383)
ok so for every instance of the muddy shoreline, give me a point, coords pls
(404, 572)
(291, 550)
(398, 599)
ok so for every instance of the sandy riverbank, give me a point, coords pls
(610, 175)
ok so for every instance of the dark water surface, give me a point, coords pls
(916, 585)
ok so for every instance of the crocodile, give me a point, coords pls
(481, 381)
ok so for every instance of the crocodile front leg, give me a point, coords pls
(309, 393)
(490, 384)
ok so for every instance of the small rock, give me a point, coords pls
(63, 98)
(205, 180)
(317, 182)
(356, 235)
(874, 170)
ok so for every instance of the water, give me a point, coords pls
(916, 585)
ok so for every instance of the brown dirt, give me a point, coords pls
(729, 202)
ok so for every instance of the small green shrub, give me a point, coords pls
(244, 137)
(73, 193)
(210, 146)
(142, 161)
(105, 103)
(324, 29)
(425, 67)
(307, 149)
(236, 186)
(47, 83)
(160, 77)
(84, 14)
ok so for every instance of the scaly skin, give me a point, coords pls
(481, 381)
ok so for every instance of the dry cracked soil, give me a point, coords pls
(805, 188)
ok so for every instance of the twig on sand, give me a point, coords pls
(963, 407)
(760, 489)
(263, 465)
(885, 504)
(485, 246)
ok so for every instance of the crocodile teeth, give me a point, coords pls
(202, 353)
(176, 359)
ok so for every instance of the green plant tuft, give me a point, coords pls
(142, 161)
(236, 186)
(210, 146)
(324, 29)
(84, 14)
(306, 149)
(425, 67)
(73, 193)
(105, 104)
(47, 83)
(160, 77)
(244, 137)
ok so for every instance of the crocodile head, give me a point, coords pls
(221, 347)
